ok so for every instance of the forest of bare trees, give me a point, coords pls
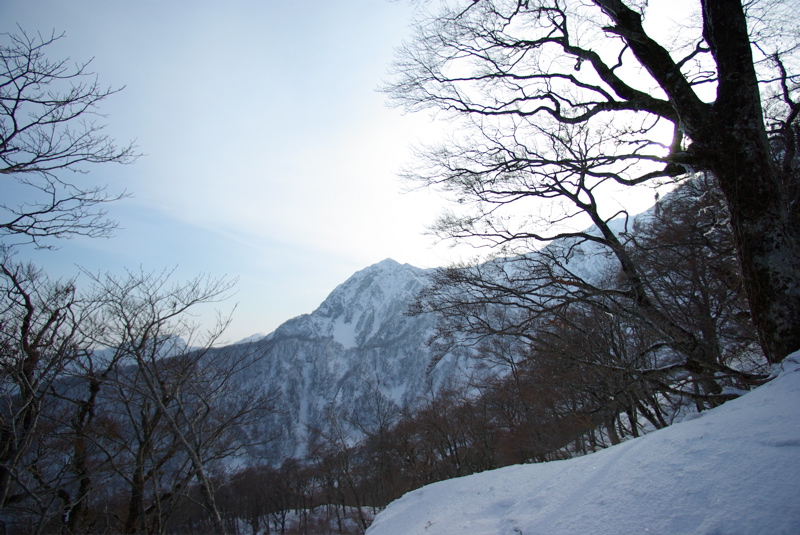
(120, 414)
(115, 407)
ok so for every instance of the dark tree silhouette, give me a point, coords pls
(562, 99)
(50, 127)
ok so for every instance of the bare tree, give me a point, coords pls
(683, 334)
(686, 250)
(117, 385)
(187, 400)
(49, 127)
(337, 458)
(374, 420)
(40, 338)
(562, 99)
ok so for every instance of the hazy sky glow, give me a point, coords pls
(268, 154)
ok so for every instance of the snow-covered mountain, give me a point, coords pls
(357, 353)
(358, 350)
(732, 470)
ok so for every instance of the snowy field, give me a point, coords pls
(734, 470)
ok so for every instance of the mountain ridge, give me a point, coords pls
(358, 345)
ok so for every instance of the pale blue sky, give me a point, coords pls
(269, 156)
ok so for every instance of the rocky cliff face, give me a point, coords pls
(358, 349)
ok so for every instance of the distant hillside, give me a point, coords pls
(361, 347)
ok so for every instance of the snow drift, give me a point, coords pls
(731, 470)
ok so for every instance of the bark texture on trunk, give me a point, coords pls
(733, 145)
(729, 139)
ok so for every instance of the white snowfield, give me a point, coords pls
(734, 470)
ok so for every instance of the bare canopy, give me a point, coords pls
(49, 127)
(559, 97)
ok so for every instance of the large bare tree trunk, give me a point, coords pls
(730, 140)
(767, 233)
(761, 196)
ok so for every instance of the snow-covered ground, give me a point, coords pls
(729, 471)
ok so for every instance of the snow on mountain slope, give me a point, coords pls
(365, 309)
(734, 470)
(359, 350)
(359, 345)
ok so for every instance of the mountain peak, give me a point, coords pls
(359, 341)
(385, 265)
(353, 311)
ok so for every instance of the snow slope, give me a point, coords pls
(734, 470)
